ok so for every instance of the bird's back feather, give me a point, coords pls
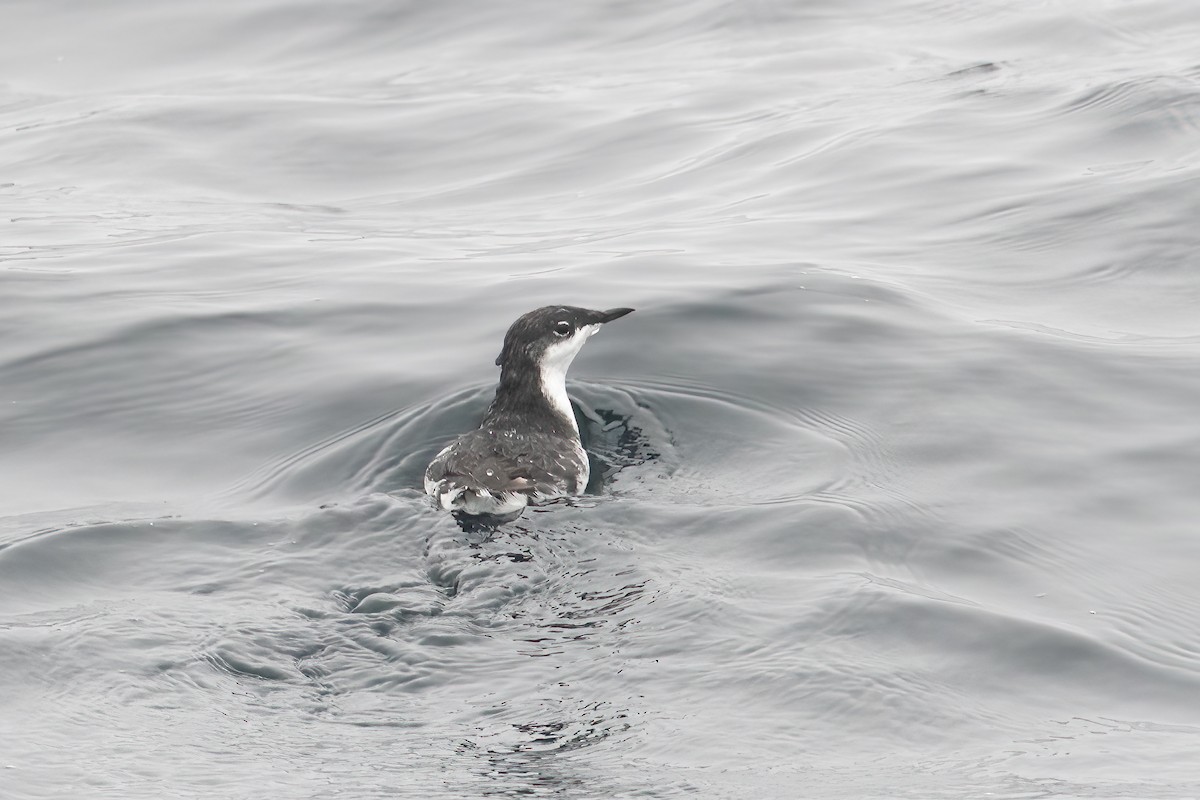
(489, 469)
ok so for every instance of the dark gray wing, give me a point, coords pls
(504, 461)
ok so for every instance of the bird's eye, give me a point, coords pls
(562, 328)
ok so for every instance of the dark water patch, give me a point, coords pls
(975, 70)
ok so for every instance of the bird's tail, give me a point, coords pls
(469, 499)
(450, 495)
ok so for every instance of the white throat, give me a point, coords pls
(553, 372)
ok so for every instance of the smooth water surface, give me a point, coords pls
(901, 448)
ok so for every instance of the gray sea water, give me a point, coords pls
(901, 447)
